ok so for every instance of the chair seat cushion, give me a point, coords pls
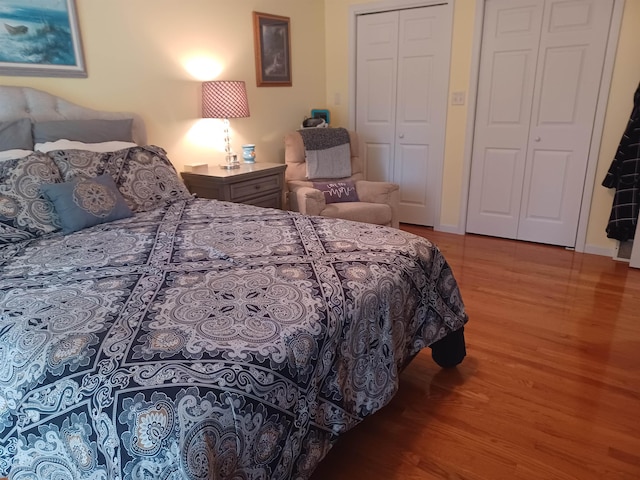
(377, 213)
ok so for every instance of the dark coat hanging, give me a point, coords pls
(624, 176)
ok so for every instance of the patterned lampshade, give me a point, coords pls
(224, 99)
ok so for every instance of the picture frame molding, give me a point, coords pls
(263, 78)
(78, 70)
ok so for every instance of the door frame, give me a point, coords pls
(598, 124)
(386, 6)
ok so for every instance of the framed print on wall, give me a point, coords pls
(272, 41)
(40, 38)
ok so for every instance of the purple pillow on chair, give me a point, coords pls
(335, 192)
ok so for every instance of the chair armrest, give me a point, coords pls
(375, 192)
(381, 192)
(307, 200)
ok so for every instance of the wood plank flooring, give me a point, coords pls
(550, 388)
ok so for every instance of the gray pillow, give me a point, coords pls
(144, 175)
(148, 179)
(88, 131)
(85, 202)
(16, 135)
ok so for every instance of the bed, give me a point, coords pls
(191, 338)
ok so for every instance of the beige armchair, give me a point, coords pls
(378, 201)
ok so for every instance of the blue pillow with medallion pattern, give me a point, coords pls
(85, 202)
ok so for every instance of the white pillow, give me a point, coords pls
(15, 153)
(101, 147)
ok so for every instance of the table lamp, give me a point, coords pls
(225, 99)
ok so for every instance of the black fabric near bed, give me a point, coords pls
(207, 339)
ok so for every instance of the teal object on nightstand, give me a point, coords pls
(249, 153)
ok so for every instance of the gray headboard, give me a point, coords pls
(39, 106)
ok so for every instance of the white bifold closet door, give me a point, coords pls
(402, 76)
(540, 73)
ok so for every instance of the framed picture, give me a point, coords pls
(40, 38)
(272, 38)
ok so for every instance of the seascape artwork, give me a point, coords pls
(39, 35)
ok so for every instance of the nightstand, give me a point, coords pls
(259, 184)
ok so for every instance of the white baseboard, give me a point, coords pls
(592, 249)
(604, 251)
(449, 229)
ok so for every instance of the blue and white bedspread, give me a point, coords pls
(207, 340)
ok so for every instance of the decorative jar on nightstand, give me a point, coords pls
(249, 153)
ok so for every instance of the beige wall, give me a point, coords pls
(626, 75)
(137, 54)
(625, 79)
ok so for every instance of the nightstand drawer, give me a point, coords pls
(255, 187)
(272, 200)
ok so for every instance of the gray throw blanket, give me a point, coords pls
(327, 151)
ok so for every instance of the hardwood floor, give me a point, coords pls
(550, 387)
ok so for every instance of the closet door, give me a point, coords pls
(421, 112)
(376, 75)
(571, 56)
(505, 94)
(540, 73)
(401, 100)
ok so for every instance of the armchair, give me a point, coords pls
(378, 201)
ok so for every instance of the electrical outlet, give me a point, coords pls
(457, 98)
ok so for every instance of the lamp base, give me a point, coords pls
(232, 162)
(229, 167)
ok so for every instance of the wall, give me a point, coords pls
(625, 79)
(626, 76)
(139, 55)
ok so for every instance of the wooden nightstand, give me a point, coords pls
(259, 184)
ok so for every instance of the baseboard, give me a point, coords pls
(592, 249)
(449, 229)
(595, 250)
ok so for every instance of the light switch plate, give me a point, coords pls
(457, 98)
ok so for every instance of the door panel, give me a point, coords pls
(499, 167)
(421, 112)
(540, 73)
(376, 74)
(378, 155)
(401, 103)
(508, 88)
(546, 186)
(411, 170)
(571, 56)
(505, 93)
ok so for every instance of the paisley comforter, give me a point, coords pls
(207, 340)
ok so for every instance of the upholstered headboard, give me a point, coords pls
(39, 106)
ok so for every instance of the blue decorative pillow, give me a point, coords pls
(335, 192)
(85, 202)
